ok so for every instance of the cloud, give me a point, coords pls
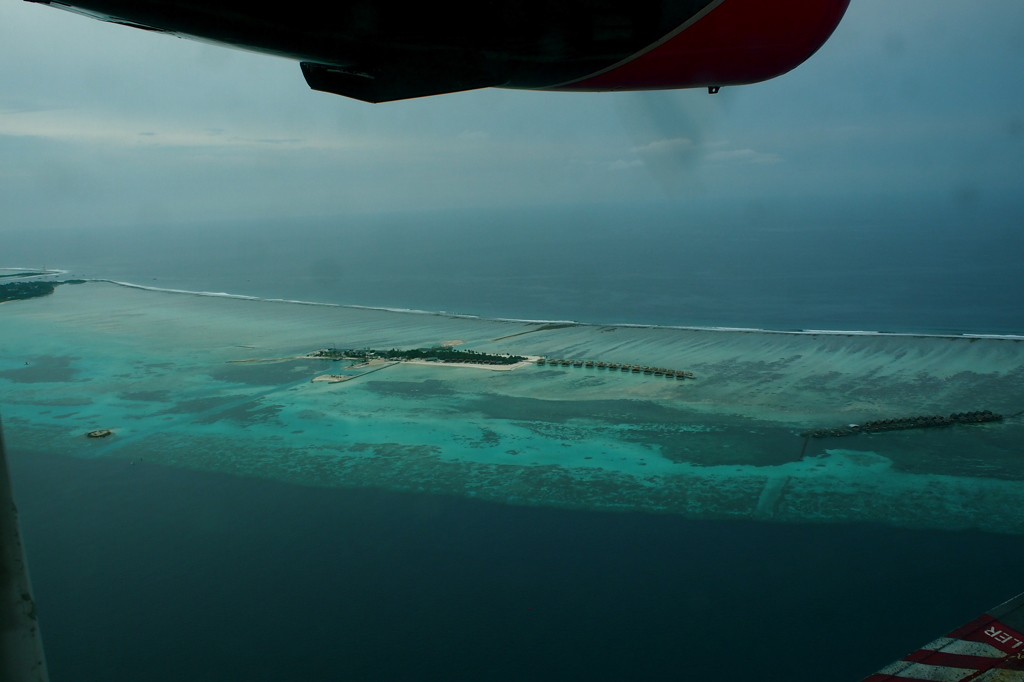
(622, 164)
(743, 156)
(97, 127)
(675, 145)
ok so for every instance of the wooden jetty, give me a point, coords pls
(635, 369)
(905, 423)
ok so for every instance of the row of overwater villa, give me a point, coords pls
(634, 369)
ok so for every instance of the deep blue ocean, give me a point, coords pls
(147, 573)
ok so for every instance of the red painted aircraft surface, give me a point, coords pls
(988, 649)
(378, 51)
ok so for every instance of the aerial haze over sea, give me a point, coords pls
(835, 246)
(925, 263)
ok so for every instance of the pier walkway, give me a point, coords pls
(905, 423)
(616, 367)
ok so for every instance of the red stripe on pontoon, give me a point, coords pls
(998, 635)
(880, 677)
(952, 660)
(979, 622)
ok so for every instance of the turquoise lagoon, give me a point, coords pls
(165, 372)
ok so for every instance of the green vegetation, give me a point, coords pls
(19, 291)
(435, 354)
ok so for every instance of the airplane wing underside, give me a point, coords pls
(379, 51)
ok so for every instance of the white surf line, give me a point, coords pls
(817, 332)
(215, 294)
(626, 325)
(38, 272)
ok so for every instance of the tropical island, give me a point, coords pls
(444, 354)
(20, 291)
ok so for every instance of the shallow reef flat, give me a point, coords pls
(161, 371)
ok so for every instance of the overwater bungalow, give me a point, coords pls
(601, 365)
(577, 363)
(541, 361)
(566, 363)
(637, 369)
(590, 364)
(659, 372)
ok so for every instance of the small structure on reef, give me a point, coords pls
(333, 378)
(601, 364)
(443, 354)
(100, 433)
(905, 423)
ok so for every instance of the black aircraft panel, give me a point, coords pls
(378, 51)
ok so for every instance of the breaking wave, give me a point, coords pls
(443, 313)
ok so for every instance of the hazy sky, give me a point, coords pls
(106, 124)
